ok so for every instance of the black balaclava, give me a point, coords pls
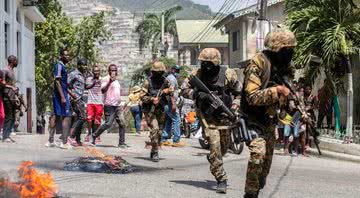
(281, 60)
(157, 75)
(209, 69)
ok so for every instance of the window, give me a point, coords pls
(29, 24)
(6, 6)
(7, 29)
(18, 43)
(235, 40)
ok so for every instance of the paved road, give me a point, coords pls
(183, 172)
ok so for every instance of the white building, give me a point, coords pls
(17, 24)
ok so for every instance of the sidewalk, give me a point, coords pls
(333, 148)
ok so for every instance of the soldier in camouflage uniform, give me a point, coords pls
(224, 83)
(153, 106)
(261, 99)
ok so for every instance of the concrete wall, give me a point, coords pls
(246, 28)
(23, 47)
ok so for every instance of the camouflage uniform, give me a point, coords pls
(216, 131)
(19, 113)
(153, 114)
(262, 99)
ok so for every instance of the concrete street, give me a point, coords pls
(183, 172)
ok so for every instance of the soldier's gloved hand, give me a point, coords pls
(203, 97)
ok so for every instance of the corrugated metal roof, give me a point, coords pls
(191, 31)
(252, 7)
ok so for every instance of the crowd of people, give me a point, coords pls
(103, 99)
(291, 130)
(12, 104)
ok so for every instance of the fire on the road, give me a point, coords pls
(31, 184)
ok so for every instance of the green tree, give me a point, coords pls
(59, 31)
(330, 30)
(149, 30)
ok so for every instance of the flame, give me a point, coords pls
(96, 153)
(32, 184)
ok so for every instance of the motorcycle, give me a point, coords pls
(236, 148)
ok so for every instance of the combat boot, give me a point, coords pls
(251, 195)
(262, 182)
(154, 156)
(221, 187)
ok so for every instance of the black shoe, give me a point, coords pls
(251, 195)
(93, 141)
(221, 187)
(154, 157)
(262, 182)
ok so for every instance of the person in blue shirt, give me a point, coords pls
(61, 100)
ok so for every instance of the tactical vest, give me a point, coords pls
(218, 86)
(153, 90)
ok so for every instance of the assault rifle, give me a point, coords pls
(240, 128)
(215, 101)
(301, 107)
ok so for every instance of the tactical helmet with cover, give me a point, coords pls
(280, 38)
(158, 67)
(210, 54)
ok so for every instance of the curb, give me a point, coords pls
(334, 155)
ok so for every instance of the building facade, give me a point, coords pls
(195, 35)
(18, 38)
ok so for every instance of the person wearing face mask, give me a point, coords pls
(11, 101)
(260, 101)
(76, 82)
(153, 106)
(224, 83)
(172, 118)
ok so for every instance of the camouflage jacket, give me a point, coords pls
(260, 92)
(231, 83)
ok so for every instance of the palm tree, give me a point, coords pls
(330, 30)
(149, 30)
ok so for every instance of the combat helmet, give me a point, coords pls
(278, 39)
(158, 67)
(210, 54)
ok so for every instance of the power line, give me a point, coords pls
(195, 36)
(219, 18)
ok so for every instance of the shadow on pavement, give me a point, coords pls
(277, 186)
(147, 158)
(208, 185)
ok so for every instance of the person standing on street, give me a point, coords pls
(153, 106)
(94, 106)
(76, 83)
(11, 100)
(110, 87)
(172, 119)
(224, 83)
(261, 100)
(61, 100)
(135, 107)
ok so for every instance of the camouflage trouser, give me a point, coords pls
(154, 121)
(17, 118)
(261, 154)
(219, 144)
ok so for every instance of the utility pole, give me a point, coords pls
(162, 27)
(263, 26)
